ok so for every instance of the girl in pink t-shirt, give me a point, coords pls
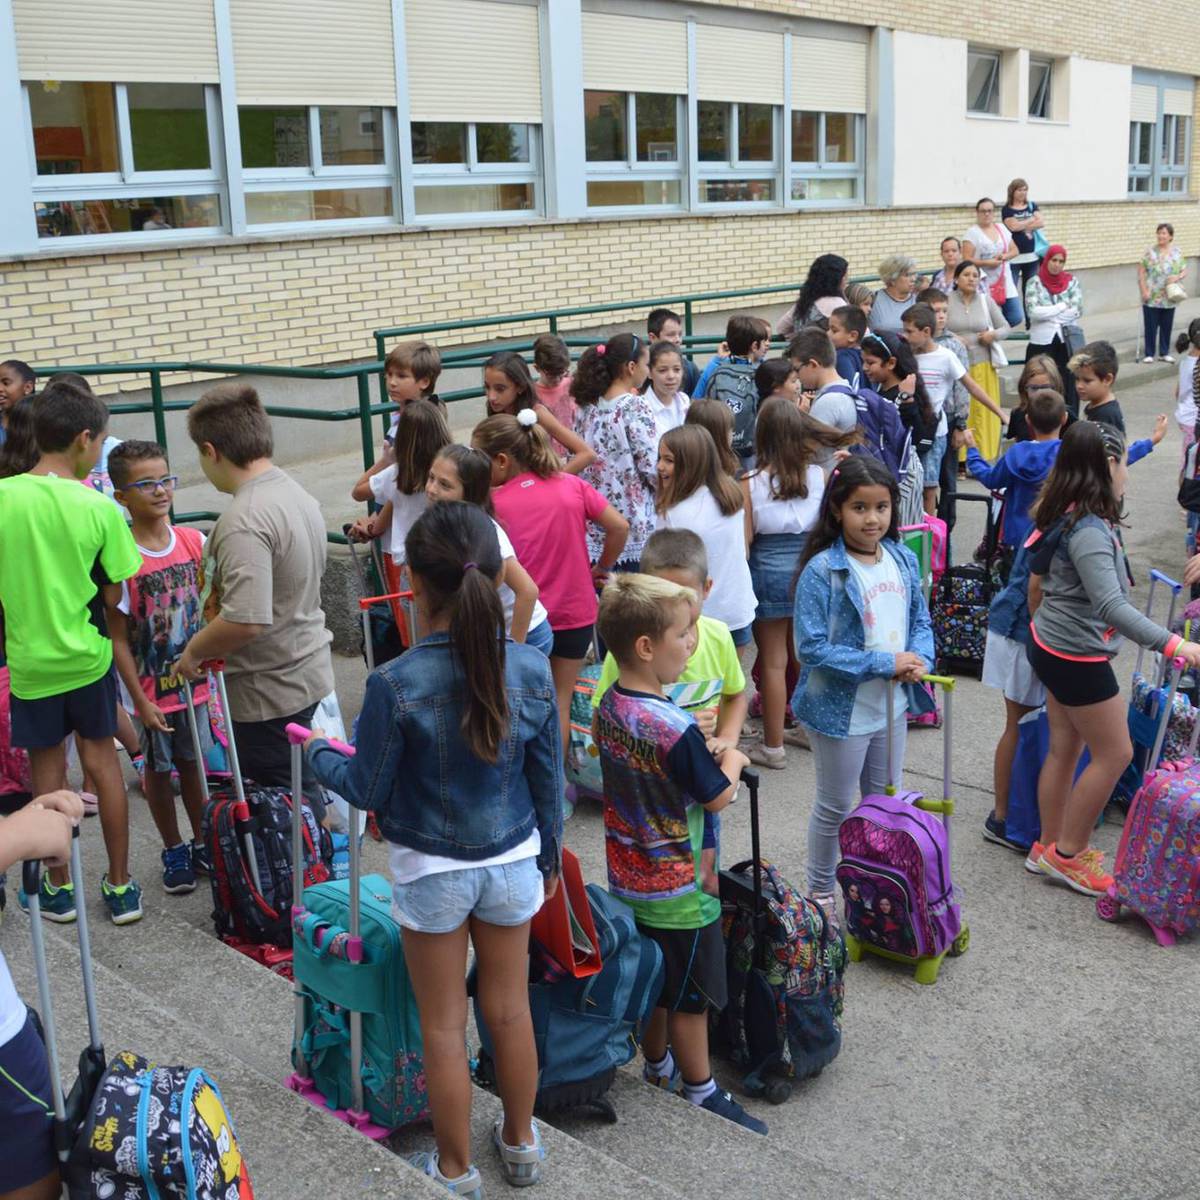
(553, 384)
(546, 513)
(508, 387)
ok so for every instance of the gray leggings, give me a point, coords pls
(846, 768)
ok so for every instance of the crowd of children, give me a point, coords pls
(682, 524)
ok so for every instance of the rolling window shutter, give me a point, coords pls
(634, 54)
(1178, 102)
(473, 60)
(1144, 105)
(829, 76)
(314, 52)
(123, 41)
(739, 65)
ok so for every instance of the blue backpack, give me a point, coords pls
(393, 1068)
(586, 1028)
(884, 434)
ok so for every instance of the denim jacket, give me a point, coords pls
(414, 769)
(829, 635)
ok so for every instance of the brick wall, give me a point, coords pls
(306, 301)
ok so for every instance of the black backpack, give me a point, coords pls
(733, 384)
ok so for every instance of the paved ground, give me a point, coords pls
(1058, 1056)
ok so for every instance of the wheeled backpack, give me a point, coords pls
(784, 964)
(583, 759)
(958, 610)
(586, 1028)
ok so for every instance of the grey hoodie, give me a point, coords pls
(1084, 610)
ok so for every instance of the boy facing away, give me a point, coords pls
(157, 615)
(847, 328)
(712, 686)
(730, 377)
(659, 778)
(64, 551)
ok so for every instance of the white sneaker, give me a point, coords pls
(1148, 359)
(1168, 358)
(796, 735)
(775, 758)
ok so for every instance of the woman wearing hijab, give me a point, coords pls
(1053, 300)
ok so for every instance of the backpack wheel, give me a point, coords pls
(960, 943)
(777, 1091)
(1107, 909)
(854, 950)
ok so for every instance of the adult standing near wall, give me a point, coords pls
(1054, 300)
(1161, 266)
(991, 247)
(823, 290)
(899, 275)
(1021, 216)
(978, 320)
(951, 252)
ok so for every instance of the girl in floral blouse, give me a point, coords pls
(1161, 266)
(618, 424)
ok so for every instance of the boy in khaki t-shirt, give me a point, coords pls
(261, 587)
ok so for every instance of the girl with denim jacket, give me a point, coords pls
(861, 628)
(459, 754)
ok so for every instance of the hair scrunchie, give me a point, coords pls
(527, 418)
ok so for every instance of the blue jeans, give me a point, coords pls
(1157, 324)
(505, 895)
(1014, 312)
(541, 637)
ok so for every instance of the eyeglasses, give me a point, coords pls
(168, 483)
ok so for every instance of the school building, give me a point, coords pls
(270, 180)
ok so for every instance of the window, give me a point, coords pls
(1160, 134)
(1041, 77)
(737, 151)
(827, 157)
(323, 163)
(462, 167)
(983, 82)
(633, 147)
(113, 158)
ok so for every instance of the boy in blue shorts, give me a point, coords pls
(64, 549)
(157, 615)
(659, 778)
(712, 686)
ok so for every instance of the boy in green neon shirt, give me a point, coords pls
(64, 550)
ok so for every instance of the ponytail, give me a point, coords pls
(454, 550)
(521, 438)
(598, 366)
(1185, 341)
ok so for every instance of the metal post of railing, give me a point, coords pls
(553, 322)
(687, 318)
(364, 419)
(156, 400)
(380, 355)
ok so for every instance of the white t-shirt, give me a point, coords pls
(732, 597)
(795, 515)
(1185, 406)
(405, 511)
(885, 624)
(668, 416)
(940, 371)
(992, 246)
(12, 1007)
(507, 596)
(410, 865)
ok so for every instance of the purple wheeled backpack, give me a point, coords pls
(895, 872)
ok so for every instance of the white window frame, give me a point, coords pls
(1047, 64)
(129, 183)
(634, 169)
(734, 168)
(821, 169)
(997, 57)
(317, 177)
(473, 171)
(1162, 170)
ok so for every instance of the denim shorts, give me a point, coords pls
(773, 560)
(505, 895)
(932, 464)
(742, 635)
(162, 751)
(541, 637)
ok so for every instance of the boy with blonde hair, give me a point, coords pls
(659, 779)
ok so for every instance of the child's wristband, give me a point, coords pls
(1173, 644)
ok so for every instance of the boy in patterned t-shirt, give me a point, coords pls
(659, 778)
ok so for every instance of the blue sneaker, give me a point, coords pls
(201, 862)
(57, 903)
(995, 831)
(724, 1105)
(124, 902)
(178, 875)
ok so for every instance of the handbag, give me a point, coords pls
(1176, 293)
(1073, 338)
(564, 928)
(999, 288)
(1041, 243)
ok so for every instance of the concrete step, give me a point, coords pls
(249, 1010)
(293, 1151)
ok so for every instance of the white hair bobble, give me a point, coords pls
(527, 418)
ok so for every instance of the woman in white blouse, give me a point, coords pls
(990, 246)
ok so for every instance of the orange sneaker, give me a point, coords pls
(1083, 872)
(1033, 860)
